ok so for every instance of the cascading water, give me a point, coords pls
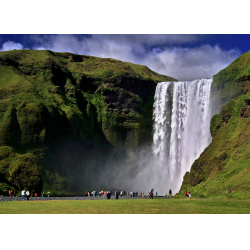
(181, 132)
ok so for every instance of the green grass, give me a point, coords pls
(146, 206)
(230, 81)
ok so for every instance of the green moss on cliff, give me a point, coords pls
(234, 79)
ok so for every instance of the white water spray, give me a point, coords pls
(182, 115)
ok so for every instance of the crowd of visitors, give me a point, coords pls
(119, 194)
(25, 193)
(103, 193)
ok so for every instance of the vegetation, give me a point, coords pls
(233, 80)
(145, 206)
(223, 169)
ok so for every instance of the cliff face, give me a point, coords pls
(59, 111)
(222, 170)
(234, 80)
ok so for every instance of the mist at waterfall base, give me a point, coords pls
(181, 131)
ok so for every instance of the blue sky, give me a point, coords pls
(184, 57)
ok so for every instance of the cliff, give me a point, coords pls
(234, 80)
(61, 111)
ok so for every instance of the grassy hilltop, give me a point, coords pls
(59, 111)
(223, 169)
(234, 80)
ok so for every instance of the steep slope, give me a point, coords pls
(234, 80)
(61, 114)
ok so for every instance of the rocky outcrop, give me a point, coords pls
(225, 114)
(245, 109)
(234, 80)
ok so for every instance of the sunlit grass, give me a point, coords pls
(147, 206)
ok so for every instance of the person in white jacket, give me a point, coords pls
(28, 194)
(23, 193)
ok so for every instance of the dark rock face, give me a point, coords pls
(196, 174)
(245, 109)
(225, 114)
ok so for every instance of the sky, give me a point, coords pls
(182, 56)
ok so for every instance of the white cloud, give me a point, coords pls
(150, 40)
(60, 43)
(10, 46)
(190, 64)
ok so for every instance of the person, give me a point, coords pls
(14, 194)
(186, 194)
(42, 193)
(35, 194)
(117, 194)
(86, 193)
(108, 195)
(9, 193)
(189, 195)
(170, 193)
(152, 193)
(156, 193)
(23, 193)
(48, 193)
(28, 194)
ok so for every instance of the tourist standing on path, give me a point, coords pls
(23, 193)
(108, 195)
(42, 193)
(48, 193)
(152, 193)
(28, 194)
(170, 193)
(117, 194)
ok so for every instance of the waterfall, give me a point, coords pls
(181, 129)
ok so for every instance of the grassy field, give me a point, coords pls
(147, 206)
